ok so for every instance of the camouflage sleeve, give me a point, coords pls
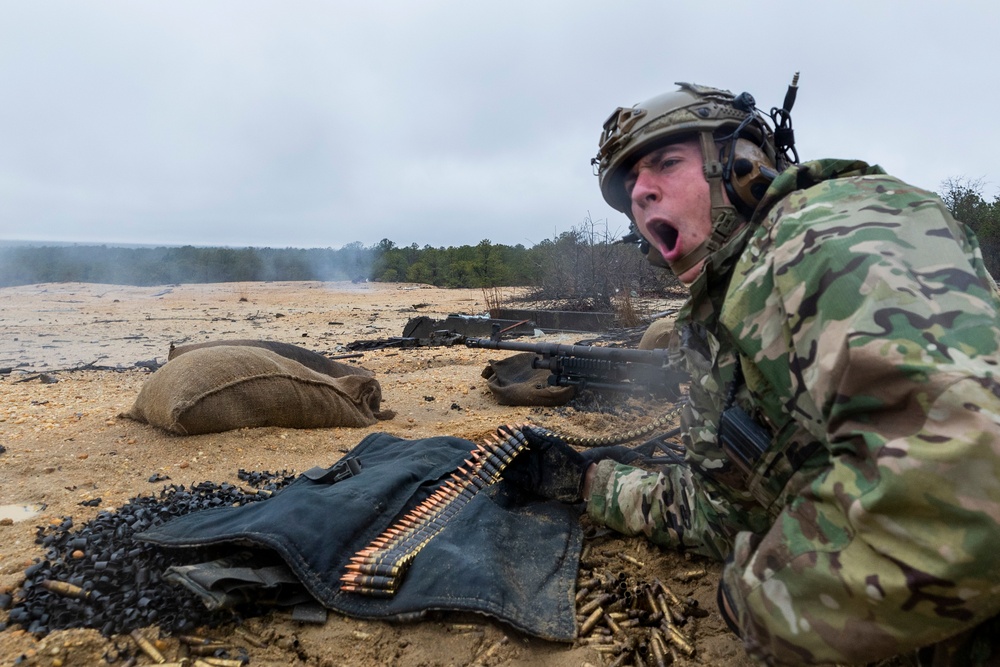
(886, 344)
(672, 508)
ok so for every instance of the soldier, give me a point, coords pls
(843, 446)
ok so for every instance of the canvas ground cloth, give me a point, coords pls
(504, 554)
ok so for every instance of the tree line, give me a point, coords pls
(587, 264)
(964, 198)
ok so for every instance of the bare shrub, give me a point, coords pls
(588, 268)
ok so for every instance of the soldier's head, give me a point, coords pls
(688, 168)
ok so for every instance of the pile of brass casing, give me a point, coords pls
(633, 623)
(379, 568)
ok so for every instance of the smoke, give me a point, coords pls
(23, 264)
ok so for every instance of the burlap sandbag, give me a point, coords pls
(514, 382)
(224, 387)
(657, 335)
(307, 358)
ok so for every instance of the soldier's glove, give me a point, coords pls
(548, 467)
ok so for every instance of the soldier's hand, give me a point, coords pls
(548, 467)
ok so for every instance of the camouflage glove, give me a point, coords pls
(548, 467)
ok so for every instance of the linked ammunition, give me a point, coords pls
(374, 569)
(382, 564)
(373, 592)
(370, 581)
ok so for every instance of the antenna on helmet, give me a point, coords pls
(784, 136)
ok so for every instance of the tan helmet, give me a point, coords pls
(738, 148)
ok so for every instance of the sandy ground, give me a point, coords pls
(66, 444)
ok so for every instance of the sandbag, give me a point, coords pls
(657, 335)
(307, 358)
(513, 381)
(220, 388)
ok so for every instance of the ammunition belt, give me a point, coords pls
(628, 436)
(379, 568)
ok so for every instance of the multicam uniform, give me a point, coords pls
(867, 330)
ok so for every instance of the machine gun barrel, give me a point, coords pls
(615, 354)
(598, 368)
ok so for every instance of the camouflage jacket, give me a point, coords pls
(866, 327)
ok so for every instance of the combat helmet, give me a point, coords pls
(741, 153)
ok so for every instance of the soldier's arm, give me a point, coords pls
(672, 508)
(894, 335)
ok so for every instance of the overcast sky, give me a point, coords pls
(300, 123)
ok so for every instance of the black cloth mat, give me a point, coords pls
(504, 554)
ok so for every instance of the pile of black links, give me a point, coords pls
(97, 576)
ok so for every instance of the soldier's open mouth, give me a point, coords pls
(665, 233)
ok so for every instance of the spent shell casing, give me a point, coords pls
(678, 639)
(249, 638)
(194, 640)
(631, 559)
(65, 589)
(622, 658)
(651, 602)
(147, 647)
(596, 603)
(659, 648)
(666, 591)
(665, 608)
(223, 662)
(591, 621)
(208, 649)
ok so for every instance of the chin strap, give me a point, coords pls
(725, 219)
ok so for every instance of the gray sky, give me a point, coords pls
(444, 122)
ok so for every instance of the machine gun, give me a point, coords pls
(599, 368)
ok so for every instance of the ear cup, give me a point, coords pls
(750, 176)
